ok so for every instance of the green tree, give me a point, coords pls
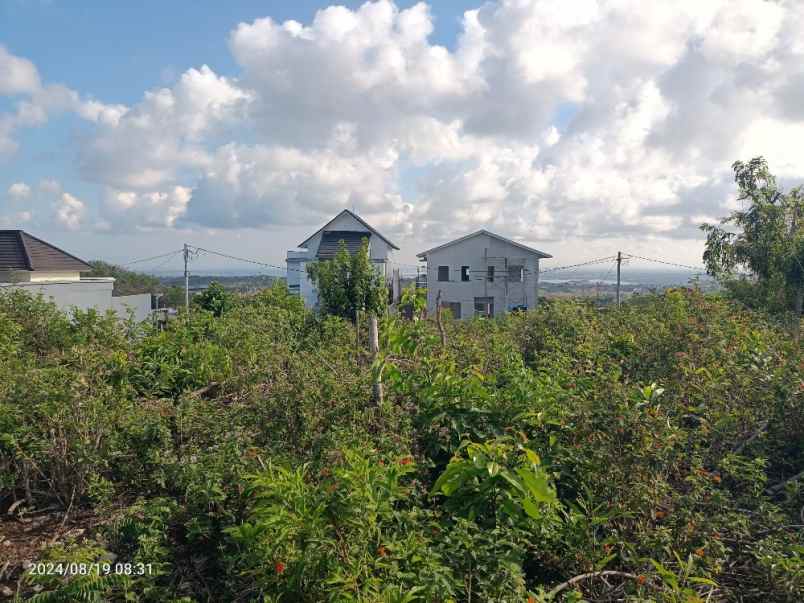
(348, 284)
(126, 282)
(214, 299)
(766, 239)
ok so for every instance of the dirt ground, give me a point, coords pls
(24, 536)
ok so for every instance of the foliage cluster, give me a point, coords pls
(349, 283)
(647, 453)
(765, 238)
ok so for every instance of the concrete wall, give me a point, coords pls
(139, 304)
(84, 294)
(29, 276)
(479, 253)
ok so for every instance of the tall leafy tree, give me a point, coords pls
(349, 283)
(765, 238)
(214, 299)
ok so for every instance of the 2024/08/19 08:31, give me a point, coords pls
(87, 569)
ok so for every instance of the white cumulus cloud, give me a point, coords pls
(547, 120)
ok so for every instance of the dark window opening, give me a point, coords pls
(464, 273)
(515, 274)
(484, 306)
(443, 273)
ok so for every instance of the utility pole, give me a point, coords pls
(186, 279)
(619, 262)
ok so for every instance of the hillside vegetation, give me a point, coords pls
(648, 453)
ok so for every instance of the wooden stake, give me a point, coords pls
(439, 321)
(374, 347)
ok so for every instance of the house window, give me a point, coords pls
(443, 273)
(515, 274)
(484, 306)
(464, 273)
(490, 274)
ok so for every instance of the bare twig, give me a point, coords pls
(760, 430)
(204, 390)
(780, 486)
(582, 577)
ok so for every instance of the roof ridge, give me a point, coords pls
(356, 217)
(493, 235)
(26, 252)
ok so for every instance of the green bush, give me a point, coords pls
(244, 458)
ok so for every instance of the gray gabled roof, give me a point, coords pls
(22, 251)
(370, 228)
(541, 254)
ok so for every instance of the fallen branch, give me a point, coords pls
(760, 430)
(793, 526)
(582, 577)
(780, 486)
(204, 390)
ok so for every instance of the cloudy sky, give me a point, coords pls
(577, 127)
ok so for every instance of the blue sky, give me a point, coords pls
(580, 129)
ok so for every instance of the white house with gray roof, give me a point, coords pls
(38, 267)
(482, 274)
(323, 244)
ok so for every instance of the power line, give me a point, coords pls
(589, 263)
(249, 261)
(168, 260)
(156, 257)
(687, 266)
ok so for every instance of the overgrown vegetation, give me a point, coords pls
(645, 453)
(765, 238)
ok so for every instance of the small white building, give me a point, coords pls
(323, 245)
(36, 266)
(482, 274)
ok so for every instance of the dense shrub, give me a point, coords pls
(242, 457)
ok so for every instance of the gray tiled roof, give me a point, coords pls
(21, 251)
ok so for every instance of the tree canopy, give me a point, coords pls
(126, 282)
(764, 238)
(214, 299)
(348, 283)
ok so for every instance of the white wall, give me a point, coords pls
(84, 294)
(87, 293)
(478, 253)
(139, 304)
(37, 276)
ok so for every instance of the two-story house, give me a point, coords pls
(482, 274)
(323, 244)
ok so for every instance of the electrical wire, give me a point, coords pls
(156, 257)
(686, 266)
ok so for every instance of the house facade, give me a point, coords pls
(324, 244)
(31, 264)
(482, 274)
